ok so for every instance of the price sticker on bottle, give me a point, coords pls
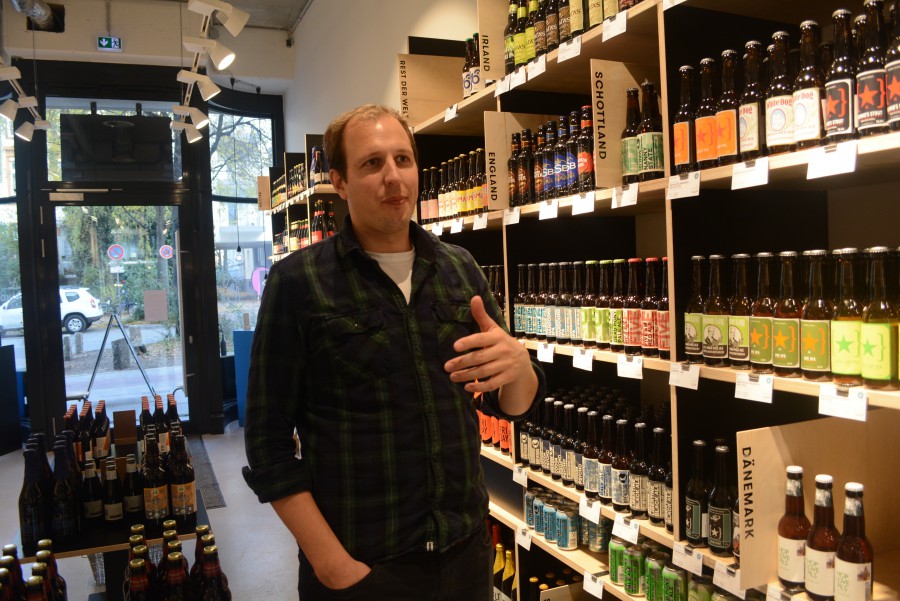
(630, 366)
(728, 577)
(687, 557)
(750, 174)
(549, 209)
(684, 375)
(523, 537)
(583, 203)
(450, 113)
(625, 196)
(667, 4)
(583, 358)
(686, 185)
(830, 160)
(593, 584)
(517, 78)
(754, 387)
(626, 528)
(536, 67)
(545, 352)
(511, 216)
(589, 509)
(437, 229)
(615, 26)
(456, 226)
(848, 403)
(502, 86)
(570, 49)
(520, 475)
(480, 222)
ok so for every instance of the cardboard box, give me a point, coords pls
(125, 429)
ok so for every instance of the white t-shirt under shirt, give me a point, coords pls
(398, 266)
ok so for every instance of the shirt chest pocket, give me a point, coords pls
(454, 321)
(357, 344)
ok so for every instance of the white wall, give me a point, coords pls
(346, 55)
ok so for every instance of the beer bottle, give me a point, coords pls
(621, 466)
(577, 17)
(513, 170)
(594, 13)
(589, 308)
(39, 569)
(663, 338)
(509, 43)
(567, 446)
(631, 312)
(668, 492)
(616, 306)
(786, 322)
(741, 306)
(32, 502)
(626, 4)
(162, 428)
(840, 106)
(525, 170)
(196, 570)
(317, 227)
(650, 138)
(557, 462)
(631, 155)
(808, 89)
(478, 83)
(683, 128)
(761, 318)
(530, 42)
(696, 500)
(815, 322)
(854, 556)
(649, 326)
(693, 314)
(482, 203)
(57, 583)
(547, 434)
(870, 76)
(846, 324)
(540, 29)
(549, 163)
(520, 51)
(603, 299)
(605, 461)
(433, 200)
(575, 323)
(213, 583)
(64, 508)
(423, 199)
(11, 580)
(565, 21)
(793, 528)
(181, 483)
(727, 112)
(102, 438)
(879, 328)
(584, 144)
(538, 152)
(561, 160)
(499, 565)
(540, 302)
(553, 24)
(444, 190)
(591, 460)
(178, 586)
(524, 308)
(752, 112)
(581, 438)
(113, 502)
(610, 8)
(821, 544)
(467, 69)
(551, 312)
(138, 582)
(83, 435)
(825, 57)
(639, 475)
(705, 124)
(715, 318)
(892, 71)
(36, 589)
(720, 506)
(156, 486)
(779, 98)
(657, 478)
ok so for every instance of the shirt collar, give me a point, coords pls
(424, 242)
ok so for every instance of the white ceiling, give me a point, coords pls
(273, 14)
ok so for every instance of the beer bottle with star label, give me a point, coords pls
(741, 305)
(752, 113)
(815, 322)
(840, 105)
(683, 128)
(720, 505)
(715, 318)
(705, 125)
(727, 112)
(696, 500)
(779, 98)
(846, 323)
(793, 528)
(786, 322)
(870, 76)
(879, 328)
(693, 314)
(808, 89)
(761, 318)
(892, 70)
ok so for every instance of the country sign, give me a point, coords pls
(116, 252)
(166, 251)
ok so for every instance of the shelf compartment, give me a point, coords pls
(469, 119)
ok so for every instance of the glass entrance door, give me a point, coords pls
(120, 304)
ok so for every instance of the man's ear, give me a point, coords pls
(338, 182)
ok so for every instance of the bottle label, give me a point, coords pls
(791, 559)
(571, 166)
(113, 511)
(534, 453)
(519, 47)
(601, 327)
(568, 465)
(631, 327)
(550, 321)
(852, 506)
(785, 335)
(693, 328)
(668, 512)
(761, 340)
(649, 329)
(540, 36)
(524, 445)
(638, 492)
(529, 43)
(101, 446)
(816, 344)
(736, 534)
(663, 337)
(706, 130)
(93, 509)
(591, 475)
(779, 121)
(575, 324)
(517, 318)
(477, 81)
(576, 16)
(650, 145)
(693, 519)
(681, 134)
(557, 466)
(715, 341)
(509, 50)
(546, 456)
(552, 30)
(540, 314)
(892, 85)
(807, 114)
(845, 357)
(163, 438)
(467, 83)
(870, 98)
(852, 581)
(839, 107)
(621, 486)
(156, 502)
(134, 503)
(655, 500)
(820, 572)
(720, 528)
(585, 163)
(615, 327)
(606, 477)
(631, 156)
(748, 127)
(739, 337)
(595, 12)
(727, 134)
(564, 20)
(184, 499)
(579, 470)
(563, 326)
(315, 236)
(877, 359)
(588, 323)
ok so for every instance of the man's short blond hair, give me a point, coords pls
(336, 154)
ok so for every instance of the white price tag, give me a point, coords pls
(749, 174)
(549, 209)
(685, 375)
(583, 359)
(593, 584)
(511, 216)
(832, 160)
(520, 475)
(536, 67)
(849, 403)
(480, 222)
(570, 49)
(689, 558)
(685, 185)
(630, 366)
(450, 113)
(523, 537)
(774, 592)
(728, 577)
(753, 387)
(615, 26)
(625, 196)
(583, 203)
(589, 509)
(545, 352)
(667, 4)
(437, 229)
(517, 78)
(456, 226)
(502, 86)
(626, 528)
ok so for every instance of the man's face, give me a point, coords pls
(382, 181)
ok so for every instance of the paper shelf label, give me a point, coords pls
(728, 577)
(536, 67)
(626, 528)
(589, 509)
(520, 475)
(832, 160)
(583, 203)
(523, 538)
(511, 216)
(545, 352)
(684, 186)
(687, 557)
(583, 359)
(667, 4)
(750, 174)
(517, 78)
(685, 375)
(615, 26)
(753, 387)
(456, 226)
(451, 113)
(625, 196)
(480, 222)
(630, 366)
(437, 229)
(570, 49)
(549, 209)
(849, 403)
(502, 86)
(592, 583)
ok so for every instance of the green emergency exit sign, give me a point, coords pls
(108, 43)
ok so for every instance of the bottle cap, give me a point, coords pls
(854, 487)
(707, 61)
(780, 35)
(722, 449)
(740, 256)
(651, 260)
(140, 550)
(877, 250)
(622, 422)
(640, 425)
(845, 251)
(635, 260)
(716, 257)
(686, 69)
(35, 581)
(753, 44)
(175, 557)
(728, 53)
(764, 255)
(698, 258)
(137, 564)
(841, 12)
(794, 469)
(699, 443)
(808, 23)
(210, 550)
(569, 406)
(787, 253)
(824, 479)
(815, 253)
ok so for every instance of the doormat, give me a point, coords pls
(204, 476)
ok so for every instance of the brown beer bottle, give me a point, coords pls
(606, 459)
(727, 112)
(808, 90)
(664, 337)
(715, 318)
(540, 303)
(786, 322)
(683, 124)
(616, 306)
(621, 468)
(138, 581)
(589, 308)
(815, 322)
(693, 314)
(846, 323)
(603, 297)
(840, 87)
(631, 161)
(761, 315)
(870, 76)
(649, 325)
(551, 311)
(741, 306)
(631, 309)
(821, 544)
(752, 112)
(591, 460)
(650, 137)
(213, 582)
(779, 97)
(639, 476)
(854, 556)
(720, 506)
(705, 126)
(793, 529)
(696, 500)
(178, 586)
(564, 306)
(879, 328)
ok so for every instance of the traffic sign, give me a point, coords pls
(166, 251)
(117, 269)
(116, 252)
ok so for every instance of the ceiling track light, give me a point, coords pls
(9, 73)
(233, 19)
(25, 131)
(198, 117)
(191, 133)
(27, 102)
(208, 89)
(219, 54)
(9, 109)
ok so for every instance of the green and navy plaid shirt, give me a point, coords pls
(390, 446)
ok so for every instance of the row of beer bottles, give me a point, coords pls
(92, 433)
(45, 582)
(553, 305)
(163, 421)
(821, 93)
(456, 189)
(828, 330)
(496, 284)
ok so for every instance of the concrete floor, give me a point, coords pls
(258, 554)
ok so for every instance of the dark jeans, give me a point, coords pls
(461, 573)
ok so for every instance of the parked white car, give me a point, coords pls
(77, 307)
